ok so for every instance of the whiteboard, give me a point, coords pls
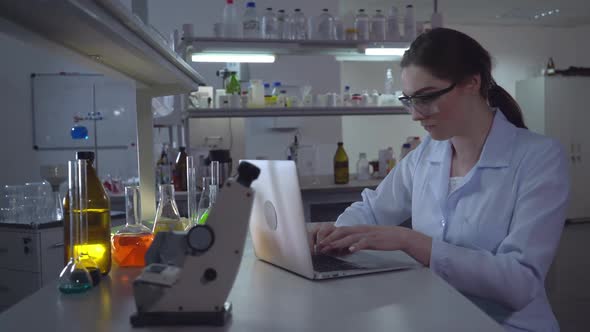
(58, 98)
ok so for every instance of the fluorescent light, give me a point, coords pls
(232, 57)
(398, 51)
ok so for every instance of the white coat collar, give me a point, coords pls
(497, 150)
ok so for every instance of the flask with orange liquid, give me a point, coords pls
(132, 241)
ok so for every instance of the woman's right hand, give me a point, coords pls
(319, 231)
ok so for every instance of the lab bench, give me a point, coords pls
(266, 298)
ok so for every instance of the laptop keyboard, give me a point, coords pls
(324, 263)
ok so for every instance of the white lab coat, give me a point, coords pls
(495, 236)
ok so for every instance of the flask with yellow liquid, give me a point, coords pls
(167, 215)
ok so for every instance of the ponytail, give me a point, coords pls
(500, 98)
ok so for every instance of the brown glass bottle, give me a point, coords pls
(341, 165)
(180, 170)
(98, 209)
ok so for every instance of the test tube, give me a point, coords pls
(214, 180)
(191, 184)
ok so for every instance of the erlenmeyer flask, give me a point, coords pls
(74, 278)
(167, 216)
(132, 241)
(82, 248)
(205, 202)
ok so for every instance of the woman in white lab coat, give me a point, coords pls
(486, 196)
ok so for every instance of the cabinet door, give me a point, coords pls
(561, 123)
(19, 251)
(16, 285)
(52, 254)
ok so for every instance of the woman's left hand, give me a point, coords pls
(355, 238)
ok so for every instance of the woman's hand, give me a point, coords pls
(355, 238)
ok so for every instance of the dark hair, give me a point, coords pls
(452, 55)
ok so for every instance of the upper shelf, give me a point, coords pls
(338, 48)
(293, 111)
(109, 33)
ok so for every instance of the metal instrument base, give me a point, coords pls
(210, 318)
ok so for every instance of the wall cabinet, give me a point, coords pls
(558, 107)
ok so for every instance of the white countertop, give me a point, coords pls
(266, 298)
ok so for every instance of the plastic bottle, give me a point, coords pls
(326, 26)
(409, 24)
(389, 80)
(250, 21)
(362, 25)
(393, 25)
(269, 25)
(378, 26)
(233, 87)
(362, 167)
(298, 25)
(230, 20)
(374, 100)
(256, 95)
(282, 25)
(347, 96)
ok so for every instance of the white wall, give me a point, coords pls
(20, 163)
(252, 138)
(518, 53)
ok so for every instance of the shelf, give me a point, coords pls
(108, 33)
(342, 48)
(292, 112)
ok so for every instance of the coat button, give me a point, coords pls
(443, 222)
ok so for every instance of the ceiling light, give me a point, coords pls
(233, 58)
(543, 14)
(396, 51)
(557, 10)
(536, 17)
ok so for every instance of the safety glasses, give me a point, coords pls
(422, 102)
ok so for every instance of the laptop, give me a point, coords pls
(280, 237)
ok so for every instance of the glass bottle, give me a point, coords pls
(409, 24)
(341, 165)
(99, 218)
(326, 26)
(282, 24)
(378, 26)
(298, 25)
(167, 215)
(131, 242)
(362, 167)
(180, 170)
(362, 25)
(393, 33)
(268, 27)
(163, 167)
(250, 21)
